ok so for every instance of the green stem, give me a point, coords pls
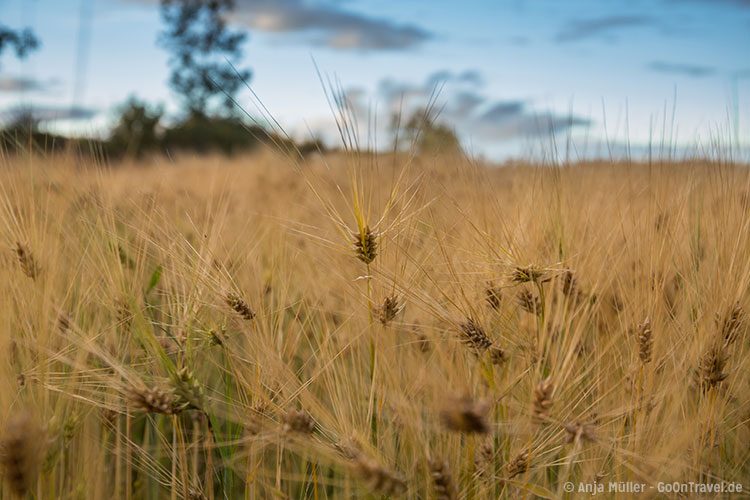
(373, 364)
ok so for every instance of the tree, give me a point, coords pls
(424, 133)
(22, 41)
(137, 129)
(202, 48)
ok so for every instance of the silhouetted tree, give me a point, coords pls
(200, 44)
(22, 41)
(137, 129)
(424, 133)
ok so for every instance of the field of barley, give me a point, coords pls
(370, 326)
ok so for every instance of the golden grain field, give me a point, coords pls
(360, 326)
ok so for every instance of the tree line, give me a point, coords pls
(206, 75)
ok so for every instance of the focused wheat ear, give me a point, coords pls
(26, 260)
(645, 341)
(240, 306)
(441, 480)
(476, 339)
(21, 450)
(366, 245)
(474, 336)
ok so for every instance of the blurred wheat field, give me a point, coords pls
(369, 326)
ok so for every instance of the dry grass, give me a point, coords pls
(377, 325)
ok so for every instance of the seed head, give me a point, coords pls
(423, 342)
(392, 307)
(124, 314)
(731, 325)
(20, 452)
(64, 322)
(518, 465)
(27, 261)
(529, 302)
(188, 390)
(108, 416)
(711, 368)
(442, 480)
(152, 400)
(466, 415)
(378, 478)
(543, 400)
(474, 336)
(527, 274)
(645, 341)
(569, 284)
(217, 336)
(365, 245)
(498, 356)
(238, 305)
(485, 456)
(298, 421)
(348, 448)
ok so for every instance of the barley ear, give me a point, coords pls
(20, 452)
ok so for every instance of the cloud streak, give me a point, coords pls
(691, 70)
(327, 24)
(464, 107)
(581, 29)
(44, 113)
(12, 84)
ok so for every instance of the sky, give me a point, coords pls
(514, 77)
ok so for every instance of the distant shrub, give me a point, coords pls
(137, 130)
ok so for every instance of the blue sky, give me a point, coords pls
(512, 71)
